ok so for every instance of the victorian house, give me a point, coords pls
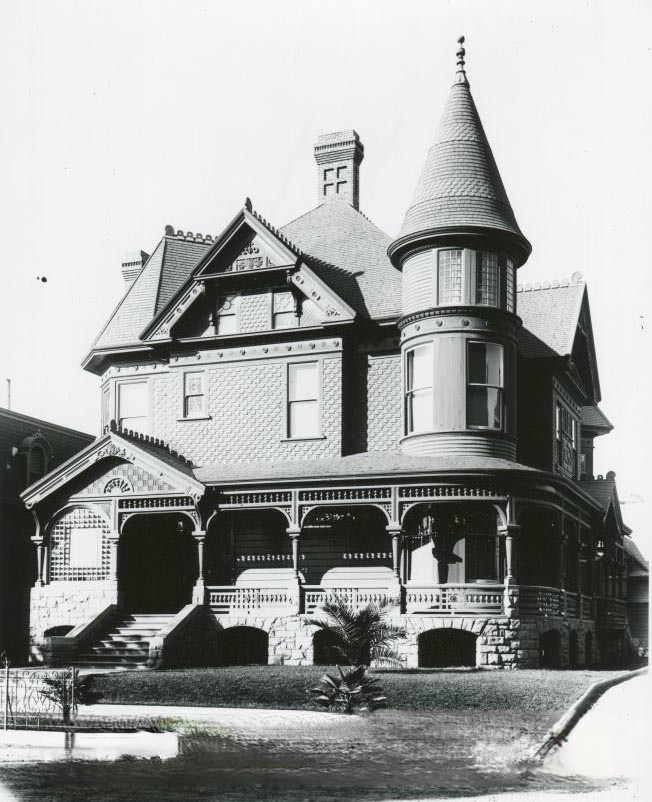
(318, 410)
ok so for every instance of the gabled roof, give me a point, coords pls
(350, 253)
(603, 490)
(550, 313)
(142, 451)
(634, 553)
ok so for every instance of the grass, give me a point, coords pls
(284, 687)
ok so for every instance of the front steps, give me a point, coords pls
(126, 644)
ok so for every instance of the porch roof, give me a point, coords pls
(372, 464)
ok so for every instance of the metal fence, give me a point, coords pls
(22, 699)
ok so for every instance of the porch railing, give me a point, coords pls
(541, 600)
(229, 600)
(314, 595)
(611, 613)
(454, 599)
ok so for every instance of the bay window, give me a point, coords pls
(484, 391)
(303, 400)
(419, 389)
(486, 279)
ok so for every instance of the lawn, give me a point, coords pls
(286, 686)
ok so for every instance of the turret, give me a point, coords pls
(459, 249)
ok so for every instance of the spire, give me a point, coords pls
(460, 189)
(461, 52)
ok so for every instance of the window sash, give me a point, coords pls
(510, 286)
(487, 282)
(450, 272)
(226, 315)
(133, 406)
(419, 380)
(303, 400)
(194, 395)
(484, 392)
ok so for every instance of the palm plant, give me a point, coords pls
(358, 637)
(352, 689)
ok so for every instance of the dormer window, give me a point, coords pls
(37, 453)
(283, 311)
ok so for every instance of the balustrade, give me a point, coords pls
(454, 599)
(233, 600)
(315, 595)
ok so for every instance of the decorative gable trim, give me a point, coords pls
(162, 331)
(111, 446)
(334, 309)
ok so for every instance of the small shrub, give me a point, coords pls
(353, 690)
(68, 690)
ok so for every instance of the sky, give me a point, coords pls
(119, 117)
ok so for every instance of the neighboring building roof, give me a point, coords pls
(550, 313)
(350, 253)
(386, 463)
(15, 428)
(634, 553)
(459, 185)
(594, 418)
(601, 489)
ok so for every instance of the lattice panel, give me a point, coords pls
(141, 480)
(60, 569)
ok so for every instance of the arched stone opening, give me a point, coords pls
(157, 563)
(550, 649)
(573, 650)
(246, 543)
(243, 646)
(453, 543)
(444, 648)
(347, 545)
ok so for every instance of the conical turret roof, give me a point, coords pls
(460, 188)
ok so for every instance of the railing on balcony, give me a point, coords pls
(229, 600)
(314, 595)
(571, 604)
(611, 613)
(454, 599)
(588, 607)
(541, 600)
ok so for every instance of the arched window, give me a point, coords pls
(37, 453)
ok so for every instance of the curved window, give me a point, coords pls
(418, 389)
(449, 277)
(484, 392)
(486, 279)
(510, 300)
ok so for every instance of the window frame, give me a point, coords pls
(234, 297)
(567, 431)
(185, 395)
(463, 277)
(498, 277)
(289, 402)
(409, 392)
(148, 403)
(273, 313)
(500, 388)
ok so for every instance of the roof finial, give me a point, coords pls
(461, 52)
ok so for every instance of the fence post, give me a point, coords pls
(6, 705)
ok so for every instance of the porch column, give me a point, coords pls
(294, 591)
(395, 530)
(113, 539)
(41, 560)
(510, 533)
(199, 591)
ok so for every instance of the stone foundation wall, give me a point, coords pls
(65, 604)
(290, 637)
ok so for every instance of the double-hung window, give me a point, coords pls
(303, 400)
(226, 316)
(194, 394)
(418, 389)
(486, 279)
(566, 437)
(450, 269)
(133, 406)
(484, 391)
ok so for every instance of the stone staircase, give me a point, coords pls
(126, 644)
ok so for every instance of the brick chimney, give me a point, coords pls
(338, 156)
(132, 265)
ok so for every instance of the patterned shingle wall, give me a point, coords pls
(384, 402)
(141, 481)
(247, 408)
(255, 312)
(76, 518)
